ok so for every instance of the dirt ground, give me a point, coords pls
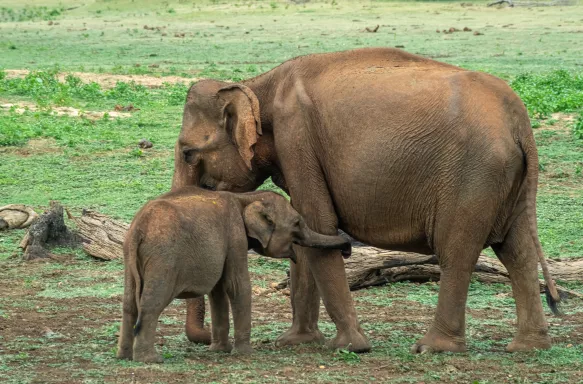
(49, 336)
(22, 107)
(107, 80)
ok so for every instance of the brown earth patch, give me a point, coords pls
(109, 80)
(72, 339)
(34, 147)
(22, 107)
(563, 122)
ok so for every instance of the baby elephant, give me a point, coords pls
(194, 242)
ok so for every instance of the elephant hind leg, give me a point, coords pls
(461, 232)
(129, 317)
(156, 296)
(519, 256)
(447, 333)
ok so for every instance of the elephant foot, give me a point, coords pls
(244, 349)
(220, 347)
(352, 340)
(525, 344)
(435, 342)
(148, 357)
(198, 335)
(293, 337)
(124, 353)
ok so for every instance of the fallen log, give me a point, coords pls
(369, 266)
(102, 237)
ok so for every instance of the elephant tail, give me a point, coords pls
(529, 150)
(134, 243)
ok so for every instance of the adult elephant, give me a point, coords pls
(399, 151)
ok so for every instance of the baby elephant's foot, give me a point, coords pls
(244, 349)
(435, 342)
(221, 347)
(148, 357)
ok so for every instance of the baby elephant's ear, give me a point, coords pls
(258, 223)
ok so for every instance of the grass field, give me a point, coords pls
(59, 317)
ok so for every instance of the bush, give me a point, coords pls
(578, 126)
(45, 89)
(543, 94)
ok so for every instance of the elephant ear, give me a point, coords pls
(242, 107)
(258, 222)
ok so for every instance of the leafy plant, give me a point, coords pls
(348, 356)
(543, 94)
(45, 89)
(578, 127)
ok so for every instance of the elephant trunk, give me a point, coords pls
(313, 239)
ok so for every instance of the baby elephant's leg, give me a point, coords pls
(219, 303)
(239, 290)
(129, 317)
(156, 296)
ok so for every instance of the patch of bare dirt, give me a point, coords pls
(562, 122)
(22, 107)
(108, 80)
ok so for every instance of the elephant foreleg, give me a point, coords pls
(311, 198)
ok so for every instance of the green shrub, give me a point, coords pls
(29, 13)
(543, 94)
(45, 89)
(578, 127)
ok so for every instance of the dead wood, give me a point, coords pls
(101, 236)
(47, 231)
(534, 3)
(372, 30)
(510, 3)
(369, 266)
(16, 216)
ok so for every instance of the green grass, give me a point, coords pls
(515, 40)
(86, 163)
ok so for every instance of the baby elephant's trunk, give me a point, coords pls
(316, 240)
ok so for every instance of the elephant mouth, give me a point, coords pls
(208, 183)
(208, 187)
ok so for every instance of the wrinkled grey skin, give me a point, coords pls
(194, 242)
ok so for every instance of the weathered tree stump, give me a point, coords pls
(48, 230)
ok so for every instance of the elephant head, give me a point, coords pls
(220, 127)
(273, 226)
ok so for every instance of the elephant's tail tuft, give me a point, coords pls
(552, 303)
